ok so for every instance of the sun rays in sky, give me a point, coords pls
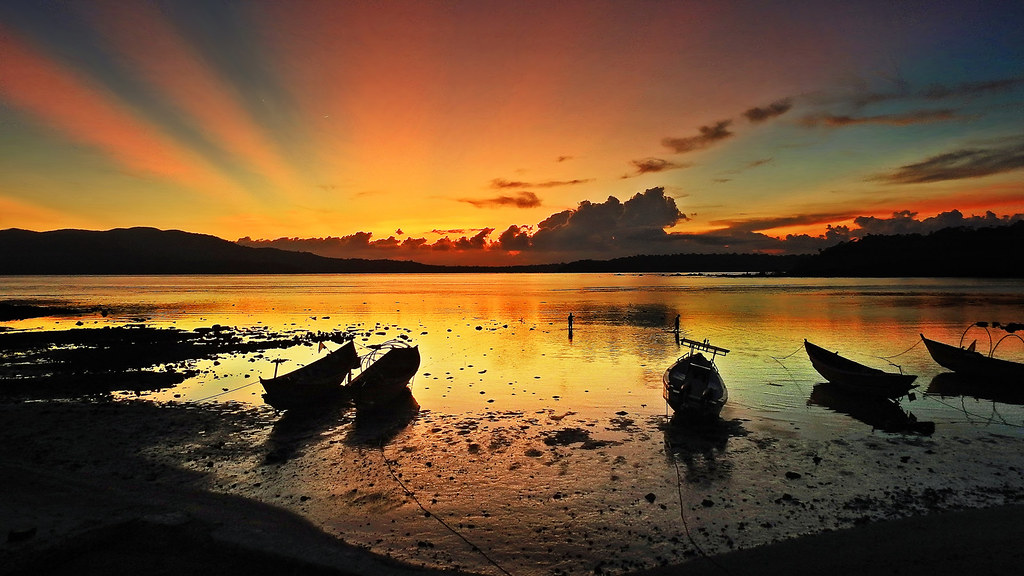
(498, 132)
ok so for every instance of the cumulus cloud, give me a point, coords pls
(514, 239)
(960, 164)
(611, 226)
(523, 199)
(775, 109)
(906, 222)
(708, 136)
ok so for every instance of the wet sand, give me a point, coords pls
(103, 487)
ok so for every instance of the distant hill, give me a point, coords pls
(986, 252)
(996, 252)
(152, 251)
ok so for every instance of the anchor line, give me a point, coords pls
(227, 392)
(430, 514)
(682, 513)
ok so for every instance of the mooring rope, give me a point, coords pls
(682, 513)
(430, 514)
(227, 392)
(791, 378)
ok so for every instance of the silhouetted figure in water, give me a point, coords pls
(677, 325)
(570, 325)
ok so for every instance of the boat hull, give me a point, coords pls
(313, 384)
(380, 383)
(693, 387)
(972, 363)
(856, 377)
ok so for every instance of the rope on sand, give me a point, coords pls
(226, 392)
(430, 514)
(682, 514)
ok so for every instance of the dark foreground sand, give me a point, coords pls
(82, 493)
(93, 529)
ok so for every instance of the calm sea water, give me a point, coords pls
(501, 341)
(507, 399)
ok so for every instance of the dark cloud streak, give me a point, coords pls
(708, 135)
(959, 164)
(773, 110)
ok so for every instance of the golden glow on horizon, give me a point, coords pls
(331, 119)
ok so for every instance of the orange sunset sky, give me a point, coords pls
(512, 132)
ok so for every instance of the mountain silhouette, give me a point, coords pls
(958, 252)
(153, 251)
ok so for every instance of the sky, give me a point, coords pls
(495, 132)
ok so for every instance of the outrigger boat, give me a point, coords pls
(385, 378)
(314, 383)
(386, 372)
(969, 362)
(856, 377)
(692, 385)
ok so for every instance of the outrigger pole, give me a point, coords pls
(703, 347)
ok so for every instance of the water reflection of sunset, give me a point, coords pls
(496, 342)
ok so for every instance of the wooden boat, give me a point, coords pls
(692, 385)
(857, 377)
(313, 383)
(385, 378)
(970, 362)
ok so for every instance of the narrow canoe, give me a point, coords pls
(857, 377)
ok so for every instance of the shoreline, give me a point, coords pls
(115, 483)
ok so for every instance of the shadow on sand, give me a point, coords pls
(298, 428)
(879, 413)
(698, 444)
(378, 427)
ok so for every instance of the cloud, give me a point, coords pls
(968, 89)
(902, 119)
(906, 222)
(501, 183)
(652, 165)
(609, 227)
(522, 199)
(708, 136)
(960, 164)
(935, 92)
(775, 109)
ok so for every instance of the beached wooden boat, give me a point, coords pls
(385, 378)
(692, 385)
(856, 377)
(970, 362)
(314, 383)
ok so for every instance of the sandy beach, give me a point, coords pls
(520, 451)
(111, 487)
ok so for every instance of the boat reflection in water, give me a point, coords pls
(1004, 390)
(880, 413)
